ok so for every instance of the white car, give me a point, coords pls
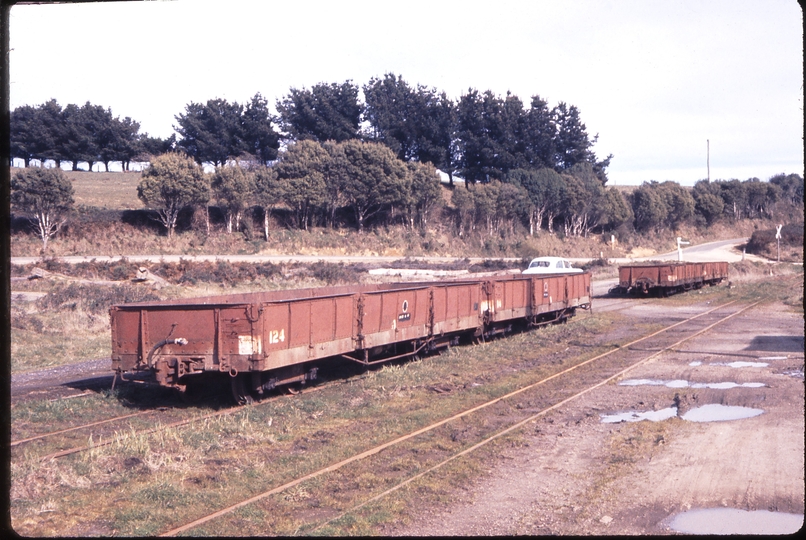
(551, 265)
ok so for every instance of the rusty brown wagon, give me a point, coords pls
(263, 340)
(664, 278)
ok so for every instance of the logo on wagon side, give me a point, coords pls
(405, 316)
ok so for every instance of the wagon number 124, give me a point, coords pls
(277, 336)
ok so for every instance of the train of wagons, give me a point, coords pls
(264, 340)
(665, 278)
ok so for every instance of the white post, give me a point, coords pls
(778, 238)
(681, 242)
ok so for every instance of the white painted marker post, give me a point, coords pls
(778, 238)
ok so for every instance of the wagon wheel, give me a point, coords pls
(240, 390)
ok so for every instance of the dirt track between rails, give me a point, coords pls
(577, 475)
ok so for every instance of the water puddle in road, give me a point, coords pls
(632, 416)
(706, 413)
(677, 383)
(735, 521)
(739, 364)
(715, 412)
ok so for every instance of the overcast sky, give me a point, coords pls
(655, 79)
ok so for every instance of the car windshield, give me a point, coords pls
(539, 264)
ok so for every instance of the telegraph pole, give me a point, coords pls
(708, 158)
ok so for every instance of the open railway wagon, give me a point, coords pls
(266, 339)
(664, 278)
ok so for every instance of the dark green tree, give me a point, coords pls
(118, 141)
(301, 179)
(27, 134)
(417, 124)
(488, 135)
(426, 193)
(649, 208)
(377, 179)
(539, 131)
(734, 198)
(47, 194)
(545, 192)
(268, 193)
(54, 132)
(172, 182)
(572, 144)
(211, 132)
(259, 136)
(326, 112)
(148, 147)
(707, 201)
(761, 198)
(233, 188)
(583, 200)
(791, 187)
(614, 210)
(392, 110)
(84, 134)
(462, 201)
(434, 130)
(679, 204)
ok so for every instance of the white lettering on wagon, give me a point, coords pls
(277, 336)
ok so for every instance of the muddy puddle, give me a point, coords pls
(635, 416)
(679, 383)
(737, 364)
(706, 413)
(735, 521)
(715, 412)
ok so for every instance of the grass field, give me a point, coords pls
(112, 191)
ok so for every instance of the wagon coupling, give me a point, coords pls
(160, 344)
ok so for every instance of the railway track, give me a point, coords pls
(485, 422)
(106, 436)
(159, 425)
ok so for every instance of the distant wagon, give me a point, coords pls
(267, 339)
(664, 278)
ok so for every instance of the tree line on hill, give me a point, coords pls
(362, 184)
(334, 161)
(480, 137)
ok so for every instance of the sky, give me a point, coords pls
(669, 86)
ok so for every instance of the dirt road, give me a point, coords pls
(579, 475)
